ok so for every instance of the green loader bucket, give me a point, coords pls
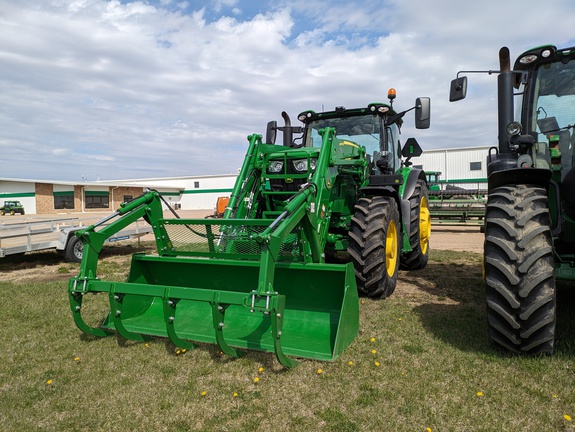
(238, 283)
(313, 315)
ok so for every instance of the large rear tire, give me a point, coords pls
(374, 245)
(519, 270)
(419, 231)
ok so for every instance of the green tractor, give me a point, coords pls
(11, 207)
(272, 274)
(530, 215)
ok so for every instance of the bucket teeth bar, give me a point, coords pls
(269, 305)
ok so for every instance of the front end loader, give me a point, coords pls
(267, 276)
(530, 215)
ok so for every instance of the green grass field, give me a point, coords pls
(422, 361)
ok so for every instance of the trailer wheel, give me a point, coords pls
(374, 245)
(74, 249)
(519, 270)
(420, 230)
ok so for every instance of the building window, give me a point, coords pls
(196, 185)
(475, 166)
(64, 201)
(128, 198)
(97, 201)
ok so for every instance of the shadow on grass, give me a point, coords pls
(459, 317)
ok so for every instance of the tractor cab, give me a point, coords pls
(376, 128)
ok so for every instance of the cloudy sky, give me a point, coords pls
(108, 90)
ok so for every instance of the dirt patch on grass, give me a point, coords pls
(51, 266)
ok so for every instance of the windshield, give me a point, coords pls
(363, 130)
(554, 99)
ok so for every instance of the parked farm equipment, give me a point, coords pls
(221, 205)
(450, 204)
(530, 217)
(258, 277)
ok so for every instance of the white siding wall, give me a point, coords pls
(455, 164)
(199, 193)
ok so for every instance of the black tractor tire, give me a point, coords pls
(374, 245)
(519, 270)
(74, 249)
(419, 231)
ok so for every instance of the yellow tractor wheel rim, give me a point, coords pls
(391, 244)
(424, 225)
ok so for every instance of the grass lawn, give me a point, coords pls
(422, 361)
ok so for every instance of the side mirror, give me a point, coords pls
(422, 113)
(458, 89)
(271, 132)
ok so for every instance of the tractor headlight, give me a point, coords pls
(301, 165)
(276, 166)
(514, 128)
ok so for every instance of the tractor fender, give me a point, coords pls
(537, 176)
(390, 191)
(411, 182)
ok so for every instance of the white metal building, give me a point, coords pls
(456, 165)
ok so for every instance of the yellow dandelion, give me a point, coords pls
(350, 363)
(399, 319)
(374, 351)
(147, 345)
(428, 429)
(256, 380)
(567, 417)
(76, 358)
(479, 394)
(376, 364)
(319, 371)
(363, 301)
(235, 394)
(178, 352)
(183, 350)
(554, 396)
(373, 339)
(49, 382)
(403, 373)
(204, 393)
(261, 369)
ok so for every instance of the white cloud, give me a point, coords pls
(157, 89)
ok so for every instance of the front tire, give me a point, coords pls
(374, 245)
(519, 270)
(420, 230)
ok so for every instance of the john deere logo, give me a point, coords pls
(289, 180)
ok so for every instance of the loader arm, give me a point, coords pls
(147, 206)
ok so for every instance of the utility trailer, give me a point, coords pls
(19, 238)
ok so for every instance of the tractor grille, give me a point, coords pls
(226, 239)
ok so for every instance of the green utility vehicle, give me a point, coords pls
(530, 216)
(11, 207)
(269, 274)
